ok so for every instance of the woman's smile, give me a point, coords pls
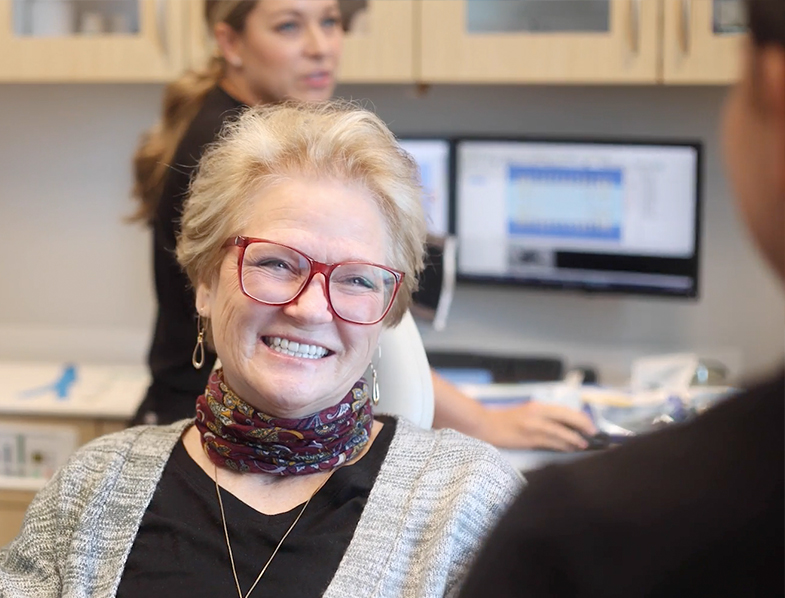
(294, 348)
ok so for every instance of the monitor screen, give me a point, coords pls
(433, 158)
(596, 216)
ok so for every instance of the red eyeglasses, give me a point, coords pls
(275, 274)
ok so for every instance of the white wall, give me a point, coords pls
(75, 281)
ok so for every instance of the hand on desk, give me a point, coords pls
(536, 425)
(528, 426)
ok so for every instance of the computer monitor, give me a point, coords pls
(433, 297)
(433, 157)
(591, 215)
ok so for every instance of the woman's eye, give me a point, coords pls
(274, 265)
(360, 282)
(287, 27)
(331, 22)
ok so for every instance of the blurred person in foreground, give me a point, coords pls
(303, 236)
(695, 510)
(268, 51)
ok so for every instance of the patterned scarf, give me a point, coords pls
(236, 436)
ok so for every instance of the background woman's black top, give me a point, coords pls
(176, 384)
(180, 549)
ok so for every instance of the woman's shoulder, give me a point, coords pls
(217, 109)
(139, 442)
(447, 440)
(452, 454)
(441, 492)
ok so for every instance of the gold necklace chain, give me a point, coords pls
(272, 556)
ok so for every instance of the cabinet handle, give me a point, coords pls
(160, 26)
(635, 25)
(686, 10)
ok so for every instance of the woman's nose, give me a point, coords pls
(311, 305)
(316, 42)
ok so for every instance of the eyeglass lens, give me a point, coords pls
(359, 293)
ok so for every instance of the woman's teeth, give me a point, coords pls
(295, 349)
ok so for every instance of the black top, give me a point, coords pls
(176, 384)
(180, 549)
(695, 510)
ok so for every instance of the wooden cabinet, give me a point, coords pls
(570, 41)
(378, 47)
(95, 41)
(394, 41)
(702, 41)
(13, 505)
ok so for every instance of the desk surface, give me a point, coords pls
(72, 390)
(576, 397)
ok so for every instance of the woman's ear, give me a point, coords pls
(228, 41)
(204, 301)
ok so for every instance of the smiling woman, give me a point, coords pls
(303, 236)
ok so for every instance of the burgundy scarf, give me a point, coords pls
(236, 436)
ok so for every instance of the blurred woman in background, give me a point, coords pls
(269, 51)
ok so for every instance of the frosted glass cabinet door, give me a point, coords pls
(378, 47)
(702, 40)
(91, 40)
(539, 41)
(379, 43)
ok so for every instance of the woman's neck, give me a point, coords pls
(267, 494)
(237, 436)
(236, 87)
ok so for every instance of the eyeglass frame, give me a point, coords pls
(316, 267)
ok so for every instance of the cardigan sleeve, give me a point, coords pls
(78, 529)
(484, 494)
(29, 564)
(443, 494)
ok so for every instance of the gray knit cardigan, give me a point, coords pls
(437, 495)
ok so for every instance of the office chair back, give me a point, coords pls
(404, 374)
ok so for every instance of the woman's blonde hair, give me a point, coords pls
(335, 140)
(183, 98)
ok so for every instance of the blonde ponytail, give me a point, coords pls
(182, 100)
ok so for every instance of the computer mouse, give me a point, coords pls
(598, 441)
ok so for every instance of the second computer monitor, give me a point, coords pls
(433, 159)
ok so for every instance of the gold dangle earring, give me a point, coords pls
(197, 358)
(375, 382)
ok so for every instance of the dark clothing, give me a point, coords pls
(694, 510)
(180, 549)
(176, 383)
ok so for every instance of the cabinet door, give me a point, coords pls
(378, 47)
(91, 40)
(379, 44)
(539, 41)
(702, 40)
(199, 41)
